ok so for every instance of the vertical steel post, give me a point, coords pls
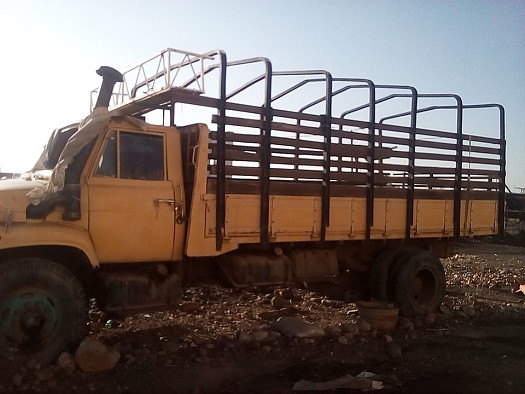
(370, 177)
(172, 115)
(326, 128)
(459, 168)
(220, 208)
(266, 155)
(502, 172)
(411, 165)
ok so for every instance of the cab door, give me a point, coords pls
(131, 200)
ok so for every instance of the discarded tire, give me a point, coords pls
(419, 283)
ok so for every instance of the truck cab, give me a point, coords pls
(135, 194)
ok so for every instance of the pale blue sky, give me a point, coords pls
(50, 50)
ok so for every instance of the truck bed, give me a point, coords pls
(309, 167)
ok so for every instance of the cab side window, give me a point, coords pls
(139, 156)
(107, 164)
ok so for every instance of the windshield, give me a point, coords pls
(49, 157)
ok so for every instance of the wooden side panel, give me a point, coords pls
(433, 218)
(242, 216)
(297, 219)
(480, 218)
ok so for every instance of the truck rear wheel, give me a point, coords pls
(419, 283)
(380, 282)
(43, 310)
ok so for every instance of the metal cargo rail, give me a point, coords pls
(270, 147)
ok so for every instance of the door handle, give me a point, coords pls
(168, 201)
(179, 213)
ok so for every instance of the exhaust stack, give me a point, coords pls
(110, 77)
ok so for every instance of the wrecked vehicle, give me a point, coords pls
(127, 211)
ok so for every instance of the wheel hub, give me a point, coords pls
(27, 319)
(423, 287)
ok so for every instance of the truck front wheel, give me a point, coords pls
(43, 310)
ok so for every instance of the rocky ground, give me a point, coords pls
(230, 340)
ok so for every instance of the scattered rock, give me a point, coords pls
(468, 310)
(287, 294)
(259, 335)
(44, 372)
(296, 327)
(350, 327)
(272, 334)
(170, 346)
(394, 350)
(405, 323)
(431, 319)
(190, 307)
(52, 383)
(419, 322)
(333, 331)
(93, 356)
(66, 361)
(274, 315)
(363, 325)
(31, 364)
(278, 302)
(445, 310)
(244, 337)
(349, 336)
(17, 379)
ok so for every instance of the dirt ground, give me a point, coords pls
(222, 341)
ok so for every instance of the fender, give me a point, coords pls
(22, 235)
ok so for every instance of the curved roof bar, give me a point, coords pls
(267, 77)
(370, 177)
(265, 138)
(459, 149)
(459, 156)
(371, 144)
(298, 85)
(502, 153)
(325, 126)
(321, 99)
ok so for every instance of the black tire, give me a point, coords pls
(43, 310)
(380, 275)
(419, 283)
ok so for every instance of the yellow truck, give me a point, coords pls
(291, 177)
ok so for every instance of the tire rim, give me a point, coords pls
(28, 319)
(423, 287)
